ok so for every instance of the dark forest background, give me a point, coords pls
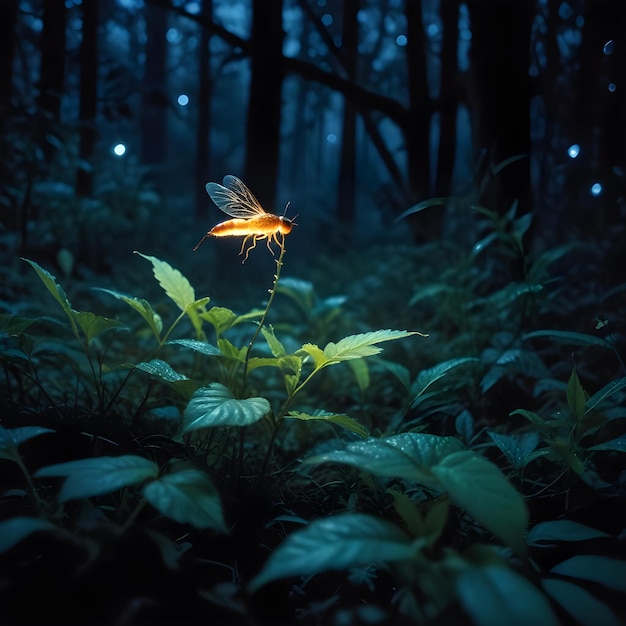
(353, 111)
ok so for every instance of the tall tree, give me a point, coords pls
(347, 166)
(154, 98)
(203, 124)
(88, 97)
(264, 103)
(52, 71)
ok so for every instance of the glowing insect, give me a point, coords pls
(251, 220)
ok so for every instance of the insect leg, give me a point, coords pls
(255, 238)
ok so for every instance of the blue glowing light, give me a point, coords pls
(573, 151)
(119, 149)
(331, 138)
(183, 100)
(596, 189)
(327, 19)
(401, 40)
(612, 87)
(609, 46)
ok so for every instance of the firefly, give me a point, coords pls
(252, 221)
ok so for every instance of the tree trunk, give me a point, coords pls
(88, 96)
(52, 72)
(8, 21)
(448, 98)
(203, 125)
(154, 98)
(264, 104)
(347, 166)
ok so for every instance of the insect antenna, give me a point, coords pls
(200, 242)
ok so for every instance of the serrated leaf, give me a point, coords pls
(362, 345)
(231, 351)
(161, 369)
(199, 346)
(516, 447)
(86, 478)
(92, 325)
(216, 406)
(222, 319)
(143, 307)
(16, 529)
(173, 283)
(598, 569)
(576, 396)
(492, 594)
(52, 286)
(584, 608)
(337, 542)
(561, 530)
(345, 421)
(275, 346)
(187, 495)
(431, 375)
(316, 353)
(479, 486)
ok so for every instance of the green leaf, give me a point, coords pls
(606, 391)
(11, 438)
(479, 486)
(340, 419)
(199, 346)
(194, 311)
(16, 529)
(52, 286)
(173, 283)
(531, 416)
(569, 337)
(584, 608)
(424, 204)
(94, 477)
(561, 530)
(291, 367)
(361, 372)
(274, 344)
(516, 447)
(92, 325)
(187, 495)
(316, 353)
(429, 376)
(161, 369)
(598, 569)
(495, 595)
(15, 325)
(576, 396)
(408, 456)
(337, 542)
(231, 351)
(618, 445)
(216, 406)
(222, 319)
(362, 345)
(143, 307)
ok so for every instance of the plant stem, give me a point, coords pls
(272, 292)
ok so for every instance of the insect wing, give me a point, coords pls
(235, 199)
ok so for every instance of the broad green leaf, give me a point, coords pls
(362, 345)
(231, 351)
(598, 569)
(199, 346)
(606, 391)
(340, 419)
(222, 318)
(15, 325)
(496, 595)
(16, 529)
(161, 369)
(561, 530)
(11, 438)
(52, 286)
(263, 361)
(430, 524)
(431, 375)
(584, 607)
(92, 325)
(95, 477)
(173, 283)
(291, 367)
(316, 353)
(531, 416)
(187, 495)
(618, 445)
(576, 396)
(479, 486)
(274, 344)
(408, 456)
(516, 447)
(361, 372)
(568, 337)
(399, 371)
(337, 542)
(143, 307)
(216, 406)
(194, 310)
